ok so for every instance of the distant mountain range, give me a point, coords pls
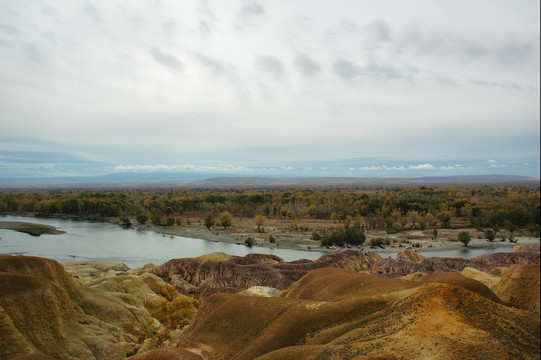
(133, 180)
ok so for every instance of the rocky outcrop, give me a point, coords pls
(409, 255)
(45, 310)
(204, 276)
(94, 269)
(338, 314)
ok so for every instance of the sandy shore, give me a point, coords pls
(303, 241)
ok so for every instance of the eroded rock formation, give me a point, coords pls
(45, 310)
(205, 275)
(488, 263)
(339, 314)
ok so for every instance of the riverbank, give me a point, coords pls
(418, 240)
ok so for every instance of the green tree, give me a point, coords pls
(249, 242)
(170, 221)
(435, 233)
(490, 235)
(209, 220)
(464, 237)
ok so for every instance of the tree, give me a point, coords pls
(170, 221)
(464, 237)
(226, 219)
(260, 222)
(490, 235)
(249, 242)
(209, 220)
(141, 218)
(435, 233)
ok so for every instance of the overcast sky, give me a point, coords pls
(358, 88)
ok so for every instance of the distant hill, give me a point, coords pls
(134, 180)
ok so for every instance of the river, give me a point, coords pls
(84, 240)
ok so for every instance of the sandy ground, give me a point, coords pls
(288, 238)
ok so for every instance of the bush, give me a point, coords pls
(272, 240)
(316, 235)
(249, 242)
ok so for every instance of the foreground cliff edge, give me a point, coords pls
(260, 307)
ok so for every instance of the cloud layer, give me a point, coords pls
(271, 83)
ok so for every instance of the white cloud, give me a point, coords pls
(422, 167)
(491, 161)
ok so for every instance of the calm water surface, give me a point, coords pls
(104, 241)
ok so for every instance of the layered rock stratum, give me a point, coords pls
(205, 275)
(338, 314)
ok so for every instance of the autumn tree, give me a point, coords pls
(260, 222)
(209, 220)
(226, 219)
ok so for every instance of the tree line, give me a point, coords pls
(391, 209)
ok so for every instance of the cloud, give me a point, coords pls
(346, 69)
(422, 167)
(491, 160)
(92, 11)
(381, 167)
(287, 168)
(215, 65)
(166, 59)
(252, 9)
(270, 65)
(179, 168)
(307, 65)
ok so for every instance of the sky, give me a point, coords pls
(359, 88)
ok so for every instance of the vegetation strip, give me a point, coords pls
(30, 228)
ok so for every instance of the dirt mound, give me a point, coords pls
(44, 309)
(520, 287)
(336, 314)
(463, 281)
(204, 276)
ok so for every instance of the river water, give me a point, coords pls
(84, 240)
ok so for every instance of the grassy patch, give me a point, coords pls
(29, 228)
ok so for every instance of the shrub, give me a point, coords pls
(464, 237)
(272, 240)
(249, 242)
